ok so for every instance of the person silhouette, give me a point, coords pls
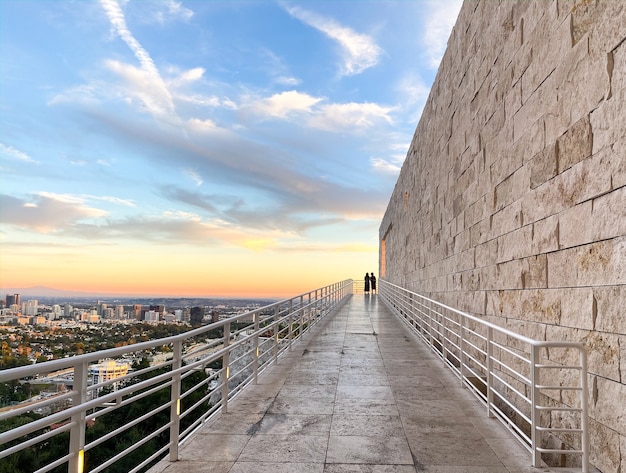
(367, 284)
(373, 282)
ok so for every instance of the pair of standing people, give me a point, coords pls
(370, 281)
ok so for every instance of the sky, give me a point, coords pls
(206, 148)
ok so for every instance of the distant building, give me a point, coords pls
(119, 311)
(108, 370)
(151, 316)
(197, 314)
(160, 308)
(137, 311)
(12, 299)
(30, 307)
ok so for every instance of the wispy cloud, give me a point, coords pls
(194, 176)
(15, 153)
(441, 17)
(170, 10)
(145, 83)
(360, 52)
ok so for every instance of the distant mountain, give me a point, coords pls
(43, 291)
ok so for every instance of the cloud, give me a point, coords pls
(385, 166)
(347, 116)
(144, 83)
(441, 16)
(194, 176)
(170, 10)
(284, 104)
(360, 52)
(46, 212)
(8, 150)
(335, 117)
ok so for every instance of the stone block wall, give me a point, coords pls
(511, 203)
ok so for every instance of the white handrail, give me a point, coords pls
(505, 377)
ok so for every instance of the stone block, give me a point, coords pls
(544, 166)
(512, 188)
(608, 121)
(605, 448)
(581, 82)
(609, 304)
(489, 278)
(545, 235)
(541, 305)
(515, 245)
(506, 220)
(551, 42)
(576, 225)
(608, 217)
(607, 395)
(577, 308)
(479, 233)
(575, 144)
(609, 24)
(486, 254)
(596, 264)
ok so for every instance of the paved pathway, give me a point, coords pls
(361, 394)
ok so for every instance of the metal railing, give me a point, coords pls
(537, 389)
(157, 405)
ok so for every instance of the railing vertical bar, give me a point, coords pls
(77, 432)
(489, 365)
(177, 349)
(584, 410)
(226, 368)
(276, 327)
(462, 350)
(255, 362)
(534, 399)
(290, 331)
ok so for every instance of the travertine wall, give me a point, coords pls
(511, 203)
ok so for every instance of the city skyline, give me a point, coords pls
(236, 149)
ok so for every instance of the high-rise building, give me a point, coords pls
(119, 311)
(30, 307)
(197, 314)
(137, 311)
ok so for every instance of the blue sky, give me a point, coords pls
(141, 138)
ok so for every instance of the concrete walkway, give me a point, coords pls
(361, 394)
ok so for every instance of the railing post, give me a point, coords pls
(177, 362)
(226, 368)
(489, 364)
(430, 325)
(462, 350)
(77, 432)
(301, 317)
(534, 399)
(276, 329)
(255, 362)
(584, 399)
(290, 323)
(444, 338)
